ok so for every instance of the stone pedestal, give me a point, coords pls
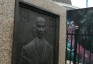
(7, 9)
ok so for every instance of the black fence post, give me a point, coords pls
(71, 48)
(75, 44)
(66, 47)
(79, 42)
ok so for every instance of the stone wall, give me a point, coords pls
(6, 30)
(64, 1)
(7, 24)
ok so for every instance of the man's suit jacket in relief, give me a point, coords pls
(33, 53)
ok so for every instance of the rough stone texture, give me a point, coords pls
(7, 25)
(6, 30)
(64, 1)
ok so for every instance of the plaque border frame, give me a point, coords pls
(20, 3)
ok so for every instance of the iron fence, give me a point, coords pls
(79, 47)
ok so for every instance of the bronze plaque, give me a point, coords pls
(36, 34)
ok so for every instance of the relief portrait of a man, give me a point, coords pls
(39, 50)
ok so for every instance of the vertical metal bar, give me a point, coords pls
(75, 44)
(84, 48)
(66, 47)
(71, 48)
(90, 50)
(90, 45)
(79, 41)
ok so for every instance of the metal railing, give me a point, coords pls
(76, 41)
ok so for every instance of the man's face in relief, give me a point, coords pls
(40, 26)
